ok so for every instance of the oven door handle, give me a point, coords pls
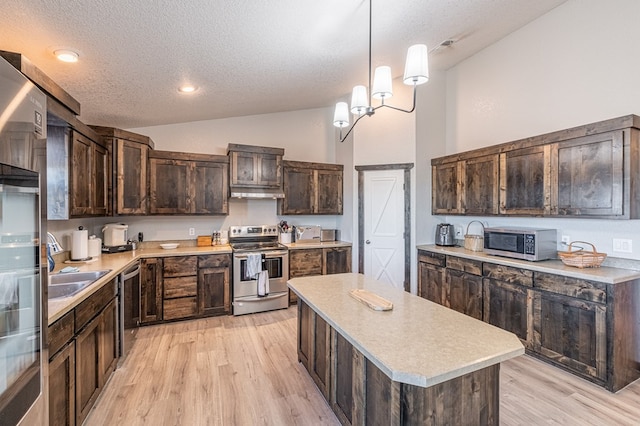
(261, 298)
(265, 255)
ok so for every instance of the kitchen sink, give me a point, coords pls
(66, 285)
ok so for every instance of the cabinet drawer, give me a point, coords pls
(183, 307)
(94, 304)
(180, 266)
(465, 265)
(573, 287)
(508, 274)
(180, 287)
(60, 332)
(432, 258)
(214, 261)
(306, 262)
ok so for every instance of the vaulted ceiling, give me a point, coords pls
(245, 56)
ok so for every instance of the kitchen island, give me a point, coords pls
(419, 363)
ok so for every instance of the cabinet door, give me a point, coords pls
(465, 293)
(108, 349)
(588, 176)
(432, 282)
(99, 181)
(131, 178)
(244, 168)
(169, 186)
(525, 181)
(328, 191)
(320, 361)
(80, 175)
(269, 170)
(62, 387)
(336, 260)
(304, 334)
(509, 306)
(210, 189)
(342, 360)
(299, 187)
(150, 290)
(87, 368)
(213, 291)
(480, 185)
(571, 332)
(446, 191)
(304, 263)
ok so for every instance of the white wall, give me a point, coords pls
(575, 65)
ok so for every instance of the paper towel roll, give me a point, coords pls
(95, 246)
(80, 244)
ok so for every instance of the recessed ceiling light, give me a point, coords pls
(66, 55)
(187, 88)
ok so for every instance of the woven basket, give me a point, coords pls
(474, 242)
(580, 258)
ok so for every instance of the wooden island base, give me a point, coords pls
(360, 393)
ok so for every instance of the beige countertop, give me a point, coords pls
(319, 244)
(603, 274)
(117, 262)
(417, 342)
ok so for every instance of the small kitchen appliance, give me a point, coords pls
(328, 235)
(308, 233)
(521, 243)
(445, 235)
(115, 238)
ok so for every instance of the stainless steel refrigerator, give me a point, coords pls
(23, 273)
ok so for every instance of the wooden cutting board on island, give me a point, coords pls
(418, 363)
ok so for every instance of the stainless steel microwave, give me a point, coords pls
(521, 243)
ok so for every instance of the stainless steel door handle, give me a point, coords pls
(368, 242)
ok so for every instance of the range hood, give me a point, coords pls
(256, 193)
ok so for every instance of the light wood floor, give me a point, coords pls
(244, 371)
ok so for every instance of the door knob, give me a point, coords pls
(368, 242)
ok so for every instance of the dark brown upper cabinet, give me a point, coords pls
(586, 171)
(525, 181)
(311, 188)
(183, 183)
(88, 177)
(255, 166)
(129, 164)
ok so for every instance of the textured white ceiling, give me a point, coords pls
(246, 56)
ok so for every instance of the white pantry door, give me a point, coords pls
(384, 226)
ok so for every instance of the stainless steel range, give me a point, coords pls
(247, 243)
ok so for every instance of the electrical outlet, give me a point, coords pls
(566, 239)
(459, 232)
(622, 245)
(192, 231)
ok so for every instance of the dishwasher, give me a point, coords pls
(129, 308)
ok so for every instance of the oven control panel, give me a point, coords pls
(253, 231)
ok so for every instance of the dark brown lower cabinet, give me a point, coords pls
(150, 290)
(571, 333)
(96, 357)
(62, 386)
(213, 291)
(586, 327)
(83, 344)
(360, 393)
(342, 395)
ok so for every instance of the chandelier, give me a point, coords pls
(416, 72)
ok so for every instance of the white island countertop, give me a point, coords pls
(418, 342)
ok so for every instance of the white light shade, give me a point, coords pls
(341, 115)
(359, 100)
(382, 83)
(416, 69)
(66, 55)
